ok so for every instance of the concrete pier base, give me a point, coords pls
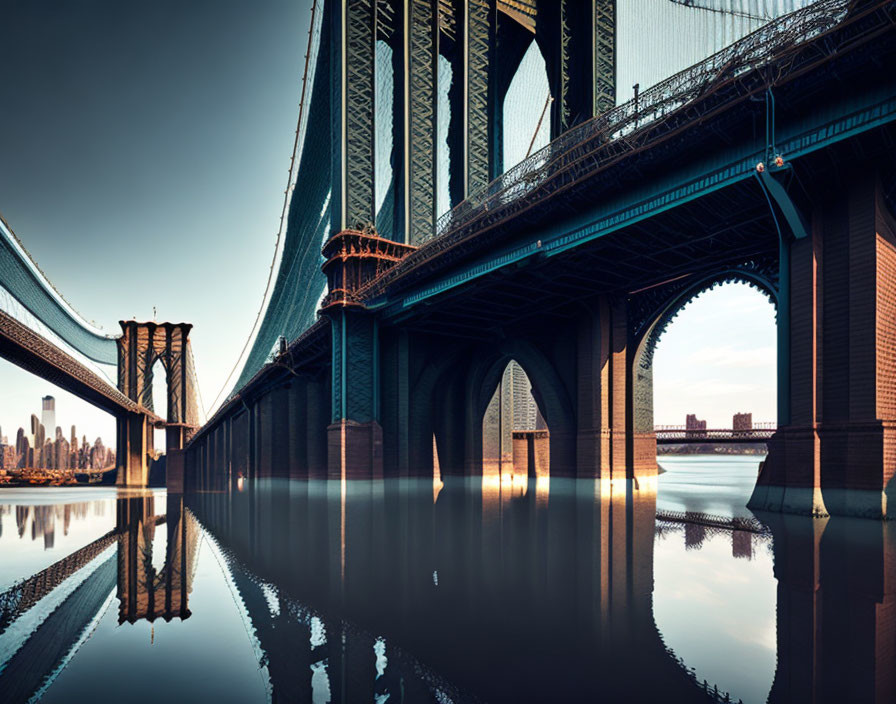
(841, 470)
(134, 435)
(354, 450)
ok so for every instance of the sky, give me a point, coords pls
(718, 358)
(145, 149)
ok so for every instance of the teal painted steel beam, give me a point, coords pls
(685, 188)
(355, 380)
(788, 208)
(783, 332)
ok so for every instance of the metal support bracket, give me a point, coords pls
(776, 191)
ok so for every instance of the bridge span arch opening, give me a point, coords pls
(157, 399)
(515, 434)
(706, 382)
(526, 121)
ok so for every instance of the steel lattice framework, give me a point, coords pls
(604, 55)
(744, 68)
(478, 44)
(140, 347)
(357, 29)
(423, 47)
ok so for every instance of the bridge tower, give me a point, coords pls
(578, 43)
(140, 346)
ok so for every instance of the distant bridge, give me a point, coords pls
(41, 333)
(680, 435)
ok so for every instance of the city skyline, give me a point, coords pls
(46, 422)
(46, 445)
(20, 390)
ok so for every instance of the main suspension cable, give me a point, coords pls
(286, 201)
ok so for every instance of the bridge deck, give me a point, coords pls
(36, 355)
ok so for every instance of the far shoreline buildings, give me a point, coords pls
(41, 449)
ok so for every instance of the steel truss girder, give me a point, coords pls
(673, 105)
(478, 37)
(34, 353)
(604, 56)
(354, 115)
(421, 47)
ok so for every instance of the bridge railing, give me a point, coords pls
(649, 107)
(757, 432)
(758, 425)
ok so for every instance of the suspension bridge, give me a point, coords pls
(744, 156)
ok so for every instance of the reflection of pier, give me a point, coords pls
(836, 610)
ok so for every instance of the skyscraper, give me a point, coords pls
(525, 410)
(48, 415)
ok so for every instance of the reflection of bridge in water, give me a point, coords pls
(365, 590)
(76, 590)
(533, 577)
(145, 592)
(550, 575)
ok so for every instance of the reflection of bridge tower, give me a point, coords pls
(142, 345)
(144, 591)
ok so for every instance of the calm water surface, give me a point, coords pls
(486, 591)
